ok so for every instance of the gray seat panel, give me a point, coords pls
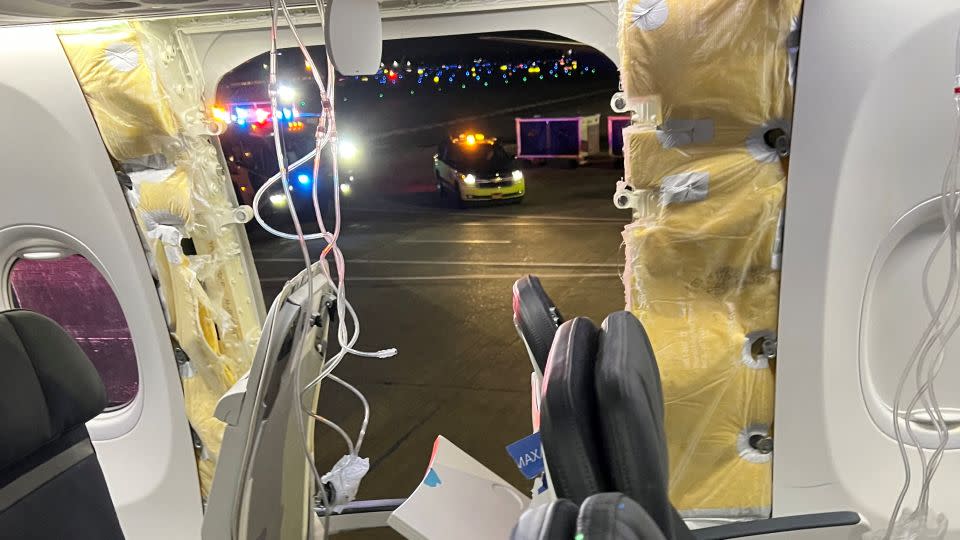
(568, 420)
(614, 516)
(630, 405)
(554, 521)
(536, 317)
(51, 484)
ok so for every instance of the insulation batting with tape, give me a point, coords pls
(716, 69)
(718, 397)
(128, 103)
(701, 276)
(163, 141)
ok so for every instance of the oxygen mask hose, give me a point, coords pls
(926, 362)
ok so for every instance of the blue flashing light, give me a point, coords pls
(304, 179)
(287, 114)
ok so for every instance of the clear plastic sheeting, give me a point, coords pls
(702, 213)
(702, 255)
(143, 87)
(128, 103)
(162, 197)
(724, 60)
(700, 277)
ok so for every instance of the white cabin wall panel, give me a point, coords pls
(56, 173)
(873, 128)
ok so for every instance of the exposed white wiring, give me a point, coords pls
(928, 356)
(253, 436)
(326, 135)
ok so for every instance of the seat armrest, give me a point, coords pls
(367, 506)
(778, 525)
(230, 403)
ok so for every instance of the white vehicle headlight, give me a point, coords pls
(278, 200)
(286, 94)
(348, 150)
(517, 175)
(469, 179)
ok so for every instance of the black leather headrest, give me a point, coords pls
(568, 421)
(47, 384)
(536, 317)
(554, 521)
(630, 409)
(614, 516)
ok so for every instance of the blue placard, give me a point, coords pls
(543, 483)
(528, 455)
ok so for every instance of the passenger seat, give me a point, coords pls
(601, 417)
(605, 516)
(536, 318)
(602, 431)
(51, 484)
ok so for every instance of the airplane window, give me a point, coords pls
(71, 291)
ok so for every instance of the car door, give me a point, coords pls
(446, 172)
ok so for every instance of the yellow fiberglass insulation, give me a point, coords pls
(715, 390)
(207, 375)
(724, 60)
(165, 201)
(701, 277)
(128, 103)
(710, 217)
(201, 402)
(146, 99)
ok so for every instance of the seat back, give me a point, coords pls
(569, 429)
(555, 520)
(51, 484)
(536, 318)
(630, 412)
(614, 516)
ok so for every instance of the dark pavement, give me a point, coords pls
(435, 282)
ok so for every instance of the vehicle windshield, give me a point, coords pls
(481, 159)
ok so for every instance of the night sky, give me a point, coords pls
(248, 81)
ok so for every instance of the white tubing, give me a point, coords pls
(326, 134)
(926, 361)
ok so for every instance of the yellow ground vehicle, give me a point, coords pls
(476, 168)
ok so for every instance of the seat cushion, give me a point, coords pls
(48, 385)
(58, 492)
(554, 521)
(536, 318)
(568, 420)
(630, 409)
(614, 516)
